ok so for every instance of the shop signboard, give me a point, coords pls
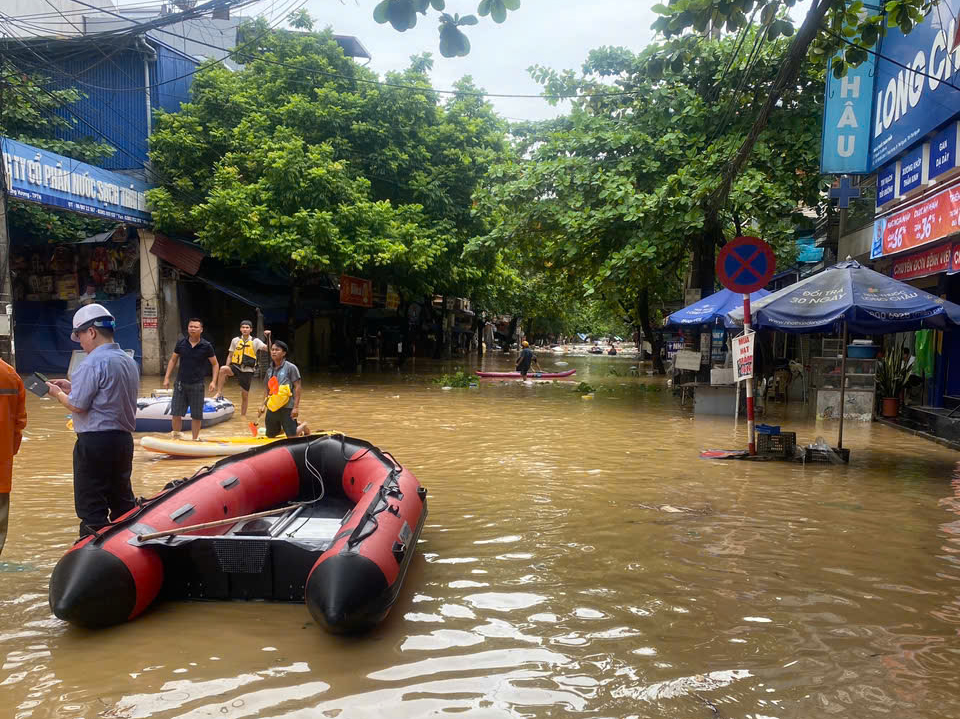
(912, 169)
(50, 179)
(392, 300)
(919, 224)
(743, 355)
(887, 184)
(922, 264)
(845, 143)
(355, 291)
(943, 150)
(907, 105)
(955, 261)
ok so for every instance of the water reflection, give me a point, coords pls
(579, 559)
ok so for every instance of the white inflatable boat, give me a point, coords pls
(153, 413)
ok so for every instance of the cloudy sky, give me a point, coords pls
(553, 33)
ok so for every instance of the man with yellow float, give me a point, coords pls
(241, 362)
(281, 399)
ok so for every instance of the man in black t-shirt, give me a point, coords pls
(193, 352)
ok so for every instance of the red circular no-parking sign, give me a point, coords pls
(745, 264)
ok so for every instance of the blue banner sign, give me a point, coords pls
(943, 150)
(39, 176)
(887, 184)
(911, 170)
(845, 142)
(907, 104)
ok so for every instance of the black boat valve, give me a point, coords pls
(399, 549)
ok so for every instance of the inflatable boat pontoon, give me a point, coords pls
(345, 525)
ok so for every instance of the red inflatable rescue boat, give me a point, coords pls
(345, 522)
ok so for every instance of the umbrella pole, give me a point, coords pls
(843, 385)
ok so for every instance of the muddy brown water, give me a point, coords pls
(578, 560)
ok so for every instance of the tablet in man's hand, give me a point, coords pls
(37, 383)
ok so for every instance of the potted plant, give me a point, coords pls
(891, 380)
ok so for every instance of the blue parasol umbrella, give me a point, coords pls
(849, 293)
(710, 309)
(854, 298)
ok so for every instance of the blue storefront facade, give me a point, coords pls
(894, 123)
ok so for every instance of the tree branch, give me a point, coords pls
(789, 71)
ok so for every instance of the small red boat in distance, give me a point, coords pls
(326, 519)
(530, 375)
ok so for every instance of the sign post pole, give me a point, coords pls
(744, 265)
(751, 427)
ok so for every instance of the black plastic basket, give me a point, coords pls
(814, 454)
(782, 445)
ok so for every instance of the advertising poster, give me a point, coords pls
(743, 355)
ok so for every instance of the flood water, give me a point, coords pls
(579, 559)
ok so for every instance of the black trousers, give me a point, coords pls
(281, 420)
(102, 463)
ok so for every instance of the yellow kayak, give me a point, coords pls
(213, 447)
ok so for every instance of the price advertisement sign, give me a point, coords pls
(743, 355)
(922, 223)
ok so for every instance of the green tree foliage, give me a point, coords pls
(402, 15)
(28, 113)
(846, 33)
(610, 199)
(304, 159)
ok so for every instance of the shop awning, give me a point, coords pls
(181, 254)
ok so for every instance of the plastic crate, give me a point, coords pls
(813, 454)
(783, 444)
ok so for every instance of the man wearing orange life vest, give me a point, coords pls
(13, 419)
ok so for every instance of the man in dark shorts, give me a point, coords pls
(241, 362)
(283, 418)
(193, 352)
(526, 358)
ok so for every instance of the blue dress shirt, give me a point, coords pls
(105, 386)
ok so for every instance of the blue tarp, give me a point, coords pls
(42, 333)
(710, 309)
(869, 302)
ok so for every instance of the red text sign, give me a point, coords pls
(927, 221)
(743, 355)
(921, 264)
(355, 291)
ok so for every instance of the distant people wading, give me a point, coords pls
(192, 352)
(102, 397)
(241, 362)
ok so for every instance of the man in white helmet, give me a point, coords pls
(102, 396)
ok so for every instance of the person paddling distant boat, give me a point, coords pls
(527, 358)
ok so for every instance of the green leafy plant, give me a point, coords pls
(584, 388)
(457, 379)
(892, 373)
